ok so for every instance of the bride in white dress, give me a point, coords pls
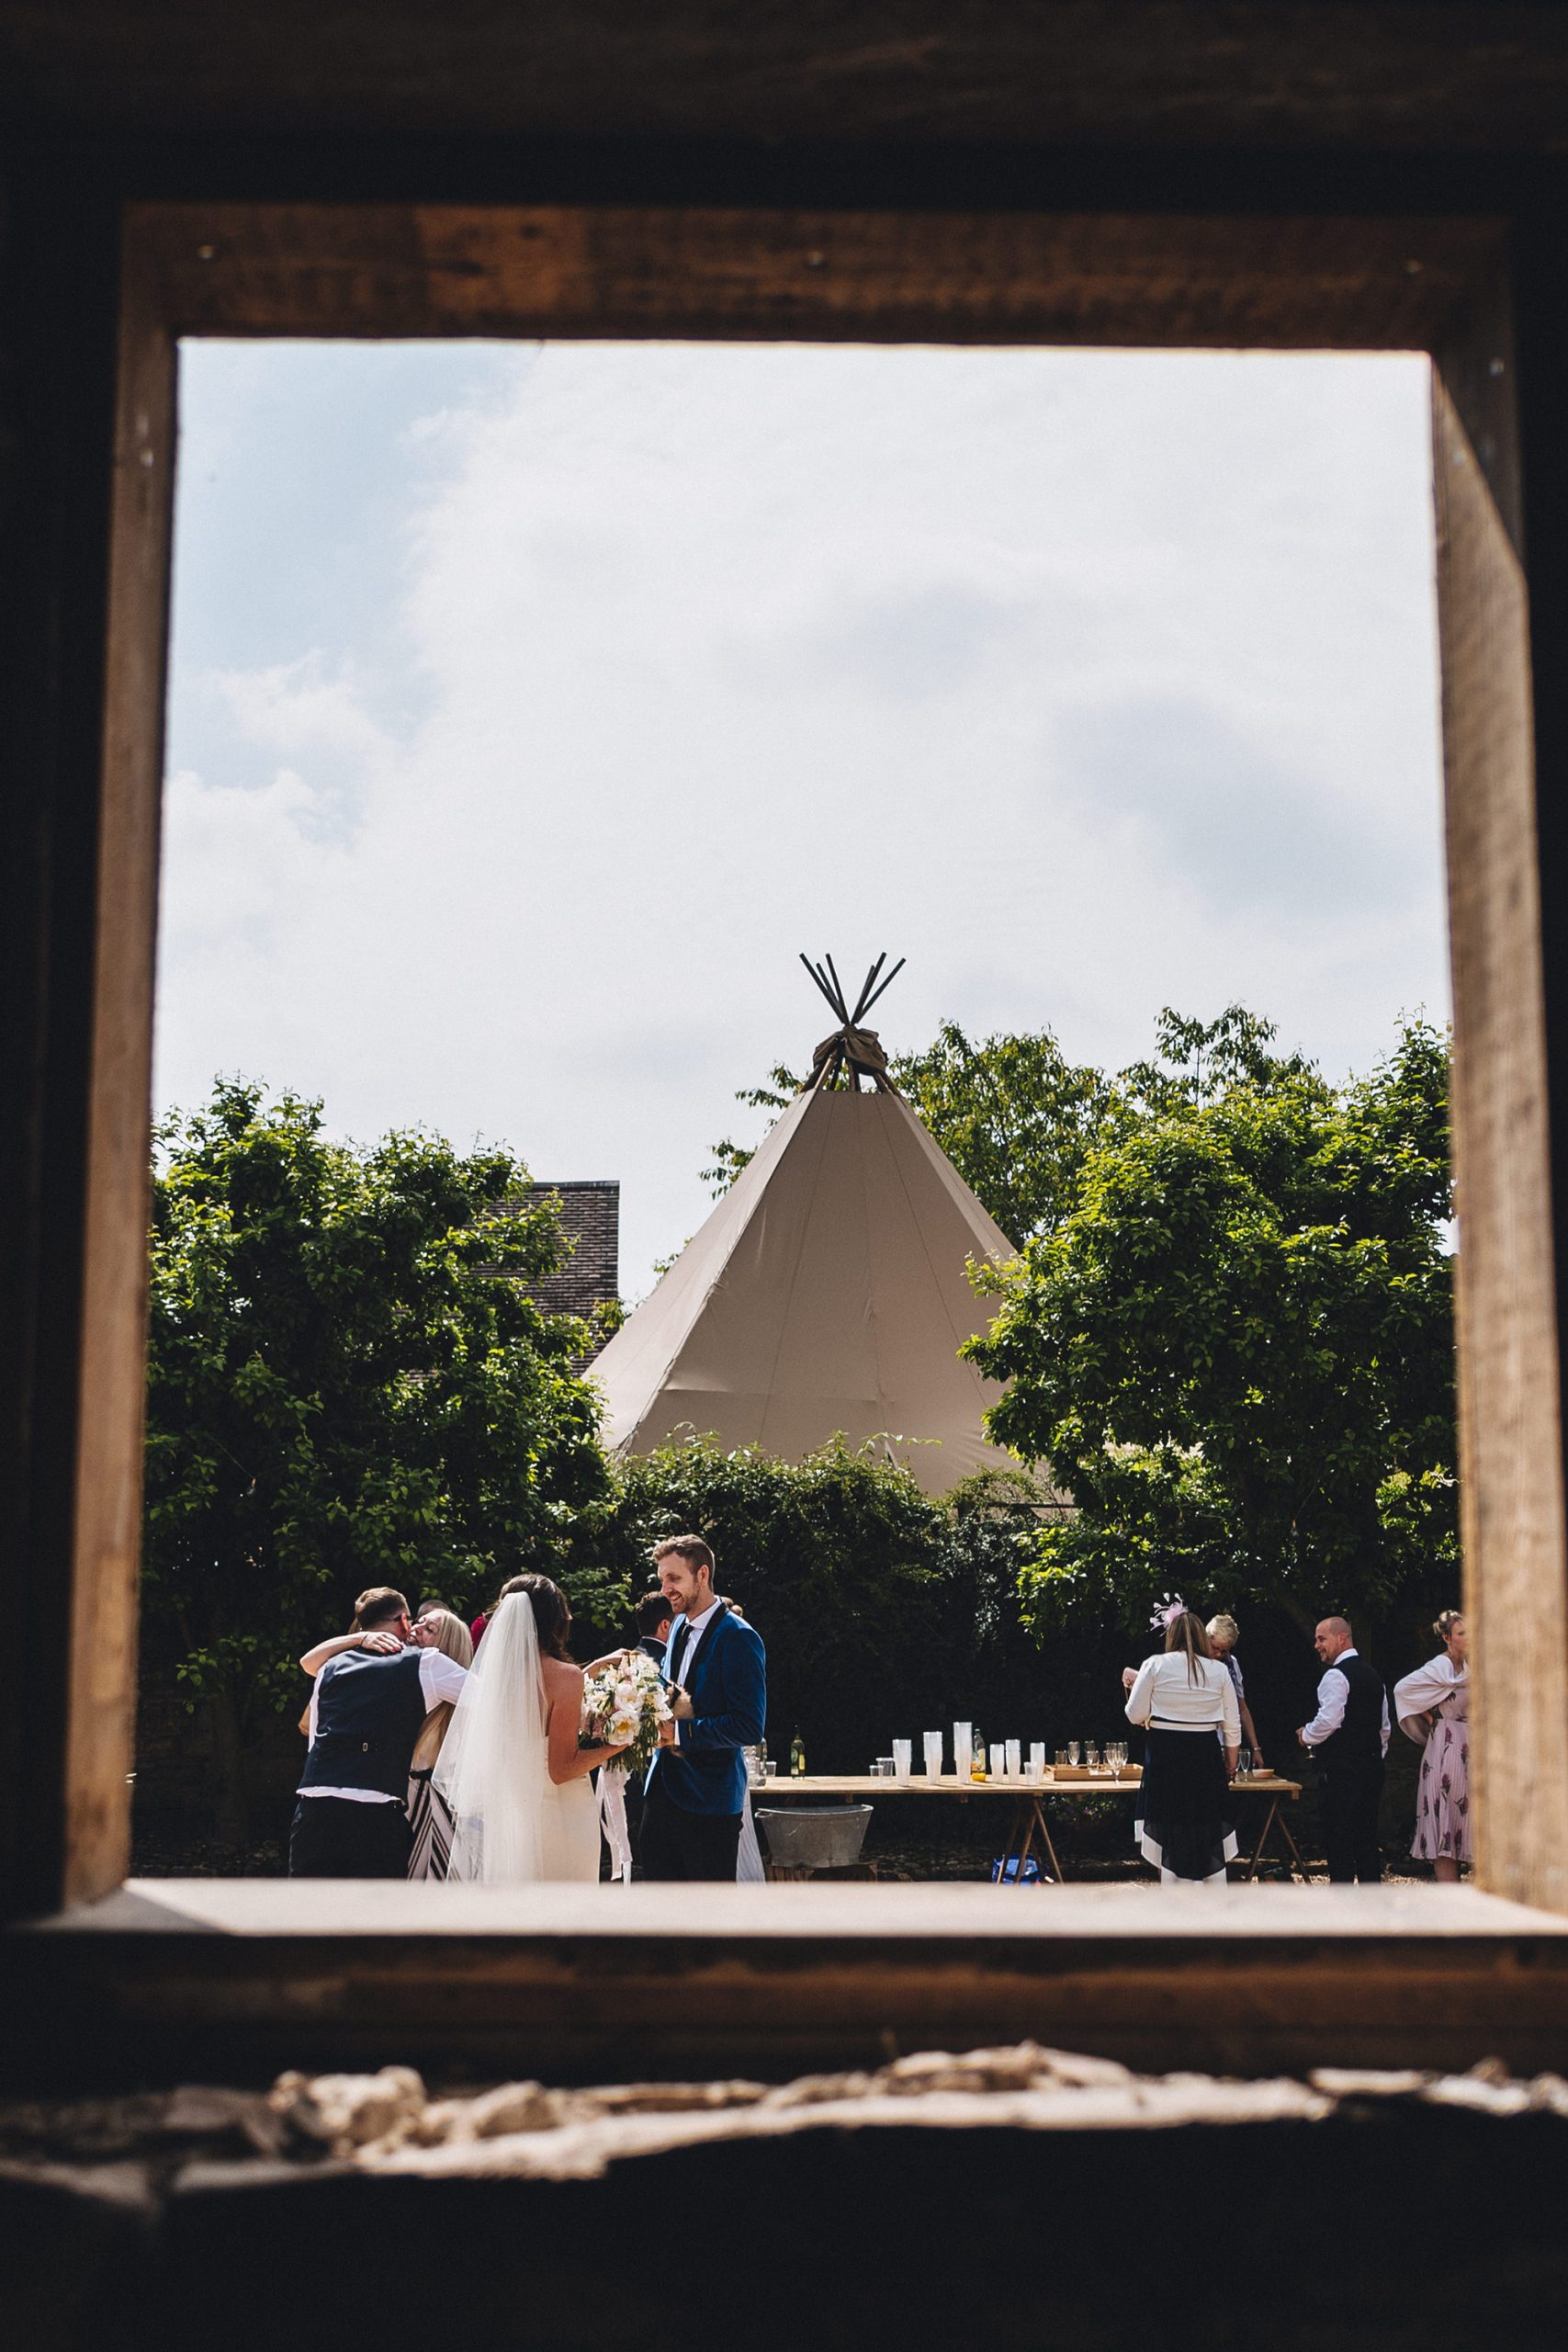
(511, 1772)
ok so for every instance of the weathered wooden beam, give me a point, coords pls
(169, 1978)
(1410, 76)
(619, 270)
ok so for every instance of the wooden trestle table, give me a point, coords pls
(1029, 1826)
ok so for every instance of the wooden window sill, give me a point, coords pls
(168, 1977)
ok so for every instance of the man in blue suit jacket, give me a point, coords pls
(695, 1791)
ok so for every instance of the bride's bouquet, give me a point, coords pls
(623, 1703)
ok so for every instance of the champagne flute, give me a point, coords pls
(1075, 1752)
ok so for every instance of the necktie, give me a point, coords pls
(678, 1649)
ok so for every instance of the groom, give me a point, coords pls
(695, 1791)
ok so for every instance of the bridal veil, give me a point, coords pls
(493, 1769)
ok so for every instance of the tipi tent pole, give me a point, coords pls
(864, 997)
(887, 983)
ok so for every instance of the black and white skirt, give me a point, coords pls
(432, 1826)
(1183, 1825)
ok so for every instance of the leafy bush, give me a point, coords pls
(884, 1612)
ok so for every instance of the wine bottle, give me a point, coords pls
(798, 1757)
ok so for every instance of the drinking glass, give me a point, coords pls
(1119, 1756)
(1091, 1757)
(1062, 1755)
(998, 1760)
(1244, 1765)
(903, 1752)
(962, 1734)
(1015, 1758)
(1037, 1759)
(771, 1768)
(1075, 1752)
(933, 1755)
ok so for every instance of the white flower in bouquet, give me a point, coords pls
(624, 1704)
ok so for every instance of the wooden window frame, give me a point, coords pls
(1435, 283)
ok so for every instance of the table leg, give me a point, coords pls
(1021, 1833)
(1057, 1873)
(1270, 1818)
(1028, 1821)
(1297, 1863)
(1256, 1854)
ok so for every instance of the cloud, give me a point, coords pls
(1185, 786)
(591, 682)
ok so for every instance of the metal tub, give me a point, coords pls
(814, 1836)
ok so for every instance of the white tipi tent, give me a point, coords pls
(827, 1291)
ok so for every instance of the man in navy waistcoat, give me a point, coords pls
(695, 1791)
(1348, 1739)
(351, 1815)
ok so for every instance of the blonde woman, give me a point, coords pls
(1183, 1697)
(1223, 1634)
(1433, 1709)
(434, 1628)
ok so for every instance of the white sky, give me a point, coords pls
(531, 707)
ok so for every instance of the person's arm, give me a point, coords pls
(440, 1678)
(1332, 1694)
(380, 1641)
(739, 1722)
(1141, 1697)
(1230, 1722)
(1248, 1731)
(1417, 1697)
(1385, 1725)
(568, 1761)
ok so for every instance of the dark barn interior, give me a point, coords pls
(1377, 174)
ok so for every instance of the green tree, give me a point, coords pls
(347, 1384)
(1237, 1350)
(1198, 1061)
(1016, 1119)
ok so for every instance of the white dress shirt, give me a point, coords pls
(1165, 1697)
(440, 1678)
(698, 1626)
(1332, 1694)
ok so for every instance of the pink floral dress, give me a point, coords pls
(1441, 1690)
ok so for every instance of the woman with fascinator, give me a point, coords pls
(1433, 1709)
(1186, 1701)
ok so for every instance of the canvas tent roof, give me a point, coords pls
(827, 1291)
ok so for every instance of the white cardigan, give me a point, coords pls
(1420, 1693)
(1165, 1697)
